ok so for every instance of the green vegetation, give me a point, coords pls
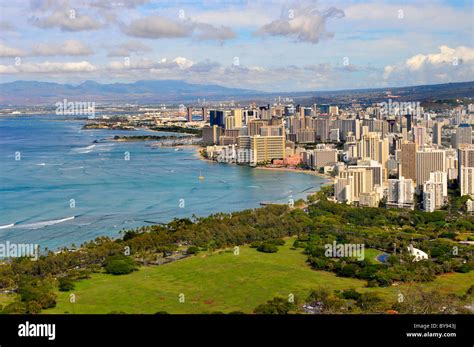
(119, 265)
(65, 284)
(148, 138)
(222, 281)
(178, 129)
(226, 282)
(275, 306)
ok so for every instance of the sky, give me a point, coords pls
(274, 46)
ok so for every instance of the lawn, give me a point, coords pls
(219, 282)
(5, 299)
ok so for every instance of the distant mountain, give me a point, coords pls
(173, 91)
(33, 92)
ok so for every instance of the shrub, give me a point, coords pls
(119, 265)
(192, 250)
(65, 284)
(267, 248)
(275, 306)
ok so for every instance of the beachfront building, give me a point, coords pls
(266, 148)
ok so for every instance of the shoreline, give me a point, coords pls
(286, 169)
(328, 178)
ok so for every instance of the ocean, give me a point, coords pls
(58, 188)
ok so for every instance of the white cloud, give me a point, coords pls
(7, 69)
(423, 14)
(305, 23)
(204, 31)
(66, 20)
(68, 47)
(183, 63)
(446, 65)
(6, 51)
(49, 67)
(129, 48)
(158, 27)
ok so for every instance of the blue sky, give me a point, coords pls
(264, 45)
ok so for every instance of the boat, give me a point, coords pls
(201, 177)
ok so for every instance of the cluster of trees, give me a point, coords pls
(268, 246)
(275, 306)
(391, 231)
(413, 301)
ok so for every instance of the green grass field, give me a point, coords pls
(219, 282)
(5, 299)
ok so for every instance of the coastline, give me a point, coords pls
(328, 178)
(286, 169)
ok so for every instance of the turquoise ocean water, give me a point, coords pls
(67, 189)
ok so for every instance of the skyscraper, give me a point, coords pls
(437, 130)
(400, 193)
(189, 114)
(462, 136)
(466, 169)
(266, 148)
(216, 117)
(204, 114)
(371, 146)
(408, 160)
(419, 133)
(428, 161)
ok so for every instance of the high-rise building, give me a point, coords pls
(322, 126)
(271, 130)
(359, 180)
(237, 113)
(204, 114)
(400, 193)
(466, 181)
(419, 134)
(346, 126)
(462, 136)
(371, 146)
(323, 156)
(307, 135)
(466, 156)
(435, 191)
(437, 132)
(333, 110)
(428, 161)
(408, 160)
(266, 148)
(343, 189)
(216, 117)
(255, 125)
(211, 134)
(189, 114)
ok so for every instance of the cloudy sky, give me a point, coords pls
(264, 45)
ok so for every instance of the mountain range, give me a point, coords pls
(147, 91)
(25, 93)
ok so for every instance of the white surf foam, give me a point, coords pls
(7, 226)
(43, 224)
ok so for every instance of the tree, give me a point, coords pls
(192, 250)
(275, 306)
(65, 284)
(267, 247)
(119, 265)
